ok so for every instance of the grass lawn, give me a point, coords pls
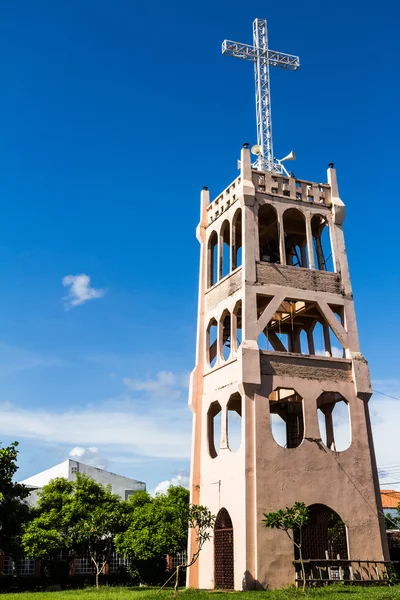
(338, 592)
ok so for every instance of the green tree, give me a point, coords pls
(291, 520)
(155, 526)
(14, 512)
(393, 521)
(75, 517)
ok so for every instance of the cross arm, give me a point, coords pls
(284, 61)
(247, 52)
(238, 50)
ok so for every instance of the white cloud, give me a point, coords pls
(336, 352)
(182, 479)
(161, 433)
(79, 290)
(89, 456)
(165, 379)
(167, 385)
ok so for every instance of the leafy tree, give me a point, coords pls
(155, 526)
(13, 510)
(75, 517)
(291, 520)
(392, 521)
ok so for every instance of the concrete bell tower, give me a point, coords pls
(277, 339)
(279, 369)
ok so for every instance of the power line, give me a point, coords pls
(387, 395)
(388, 483)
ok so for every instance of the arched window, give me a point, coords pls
(324, 536)
(226, 250)
(214, 428)
(237, 324)
(286, 414)
(234, 429)
(212, 347)
(322, 243)
(226, 337)
(212, 259)
(268, 234)
(325, 342)
(223, 551)
(237, 239)
(334, 421)
(304, 346)
(295, 238)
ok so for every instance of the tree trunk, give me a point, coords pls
(303, 570)
(176, 579)
(97, 578)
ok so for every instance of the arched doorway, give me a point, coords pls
(223, 551)
(324, 536)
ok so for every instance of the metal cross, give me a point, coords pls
(262, 57)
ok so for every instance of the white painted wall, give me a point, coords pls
(120, 485)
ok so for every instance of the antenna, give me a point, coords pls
(262, 58)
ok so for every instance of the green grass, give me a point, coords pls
(336, 592)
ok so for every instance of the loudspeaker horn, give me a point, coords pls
(290, 156)
(256, 150)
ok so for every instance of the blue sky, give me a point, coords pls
(113, 115)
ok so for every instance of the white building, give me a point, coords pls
(120, 485)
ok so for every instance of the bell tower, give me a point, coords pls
(278, 371)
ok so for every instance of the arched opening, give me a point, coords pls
(325, 342)
(214, 428)
(212, 259)
(334, 421)
(212, 332)
(304, 346)
(237, 239)
(234, 429)
(237, 319)
(226, 325)
(322, 243)
(226, 250)
(286, 415)
(324, 536)
(268, 234)
(295, 238)
(223, 551)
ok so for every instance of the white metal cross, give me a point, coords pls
(262, 57)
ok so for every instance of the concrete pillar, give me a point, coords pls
(327, 339)
(282, 249)
(224, 428)
(310, 247)
(310, 340)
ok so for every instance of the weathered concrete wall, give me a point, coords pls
(304, 279)
(222, 290)
(305, 367)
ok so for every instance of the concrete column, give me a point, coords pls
(330, 436)
(327, 339)
(282, 249)
(220, 341)
(224, 428)
(220, 255)
(310, 341)
(310, 247)
(303, 256)
(296, 346)
(232, 251)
